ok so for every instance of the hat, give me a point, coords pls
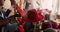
(34, 16)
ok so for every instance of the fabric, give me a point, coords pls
(28, 26)
(5, 20)
(58, 11)
(46, 25)
(3, 13)
(33, 4)
(2, 16)
(12, 25)
(46, 4)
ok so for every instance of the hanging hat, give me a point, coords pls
(7, 4)
(34, 16)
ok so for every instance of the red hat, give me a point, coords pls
(34, 16)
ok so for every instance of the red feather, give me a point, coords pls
(21, 11)
(20, 28)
